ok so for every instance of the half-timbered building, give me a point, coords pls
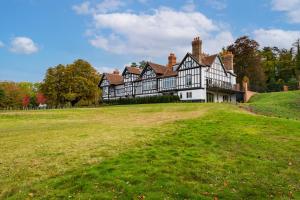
(198, 77)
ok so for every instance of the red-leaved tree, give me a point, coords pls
(40, 98)
(26, 101)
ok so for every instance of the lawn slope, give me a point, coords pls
(280, 104)
(162, 151)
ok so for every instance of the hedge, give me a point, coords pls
(143, 100)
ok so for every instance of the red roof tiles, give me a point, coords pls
(114, 79)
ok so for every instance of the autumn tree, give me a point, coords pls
(40, 98)
(26, 101)
(72, 84)
(13, 95)
(247, 62)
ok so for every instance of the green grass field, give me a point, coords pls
(278, 104)
(159, 151)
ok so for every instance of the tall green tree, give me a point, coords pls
(247, 62)
(286, 65)
(71, 84)
(142, 64)
(297, 58)
(2, 97)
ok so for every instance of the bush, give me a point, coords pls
(293, 84)
(143, 100)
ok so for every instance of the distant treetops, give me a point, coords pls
(268, 68)
(20, 95)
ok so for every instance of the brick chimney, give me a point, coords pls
(228, 60)
(116, 71)
(197, 49)
(172, 60)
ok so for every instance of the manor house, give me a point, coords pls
(197, 77)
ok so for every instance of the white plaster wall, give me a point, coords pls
(218, 97)
(199, 94)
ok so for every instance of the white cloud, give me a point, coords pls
(105, 69)
(217, 4)
(109, 5)
(103, 7)
(157, 34)
(82, 9)
(276, 37)
(1, 44)
(290, 7)
(23, 45)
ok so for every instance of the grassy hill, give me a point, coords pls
(280, 104)
(160, 151)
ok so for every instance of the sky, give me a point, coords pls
(38, 34)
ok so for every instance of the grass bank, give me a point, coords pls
(280, 104)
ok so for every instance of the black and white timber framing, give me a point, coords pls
(206, 80)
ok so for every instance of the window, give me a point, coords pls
(225, 98)
(210, 97)
(169, 83)
(105, 91)
(189, 95)
(180, 95)
(188, 80)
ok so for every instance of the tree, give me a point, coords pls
(297, 58)
(54, 85)
(247, 62)
(13, 95)
(40, 98)
(2, 97)
(26, 101)
(143, 64)
(286, 65)
(133, 64)
(71, 84)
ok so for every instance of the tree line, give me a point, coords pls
(69, 85)
(267, 68)
(20, 95)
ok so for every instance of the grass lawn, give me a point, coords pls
(160, 151)
(281, 104)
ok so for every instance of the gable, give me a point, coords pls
(125, 71)
(148, 72)
(217, 65)
(188, 62)
(103, 82)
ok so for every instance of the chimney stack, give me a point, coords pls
(197, 49)
(172, 60)
(116, 71)
(228, 60)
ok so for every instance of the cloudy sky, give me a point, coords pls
(37, 34)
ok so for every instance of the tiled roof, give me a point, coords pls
(114, 79)
(170, 72)
(208, 60)
(158, 69)
(134, 70)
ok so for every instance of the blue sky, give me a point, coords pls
(37, 34)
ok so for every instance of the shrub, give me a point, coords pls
(143, 100)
